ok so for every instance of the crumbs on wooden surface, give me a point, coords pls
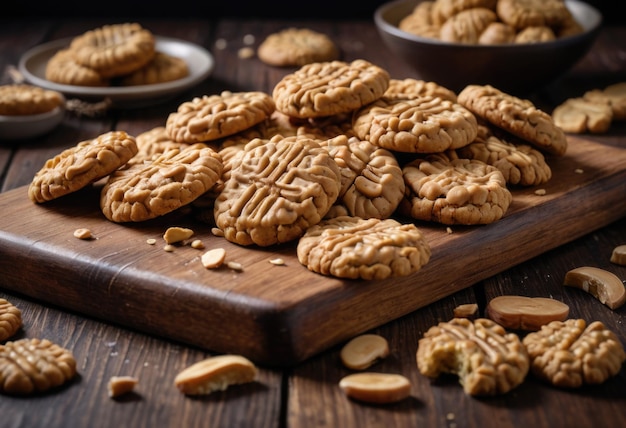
(540, 192)
(277, 262)
(579, 171)
(151, 241)
(83, 233)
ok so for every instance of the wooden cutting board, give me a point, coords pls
(281, 315)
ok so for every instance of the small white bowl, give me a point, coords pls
(21, 127)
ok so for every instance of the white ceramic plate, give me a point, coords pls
(200, 62)
(30, 126)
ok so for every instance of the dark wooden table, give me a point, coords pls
(306, 395)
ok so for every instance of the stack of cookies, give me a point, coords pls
(114, 55)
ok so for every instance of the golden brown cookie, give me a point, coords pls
(216, 116)
(457, 191)
(535, 34)
(443, 10)
(520, 164)
(276, 190)
(81, 165)
(580, 115)
(172, 180)
(23, 99)
(153, 143)
(420, 21)
(329, 88)
(62, 68)
(424, 124)
(571, 354)
(372, 185)
(409, 87)
(353, 247)
(297, 47)
(614, 95)
(497, 33)
(467, 25)
(518, 116)
(162, 68)
(30, 366)
(532, 13)
(114, 50)
(487, 359)
(10, 319)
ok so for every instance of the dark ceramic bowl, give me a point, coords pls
(514, 68)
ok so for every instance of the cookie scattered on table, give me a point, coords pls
(81, 165)
(23, 99)
(579, 115)
(297, 47)
(10, 319)
(30, 366)
(571, 354)
(488, 360)
(352, 247)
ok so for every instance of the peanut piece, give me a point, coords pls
(213, 258)
(83, 233)
(525, 313)
(618, 256)
(215, 374)
(467, 310)
(601, 284)
(120, 385)
(363, 351)
(177, 234)
(376, 388)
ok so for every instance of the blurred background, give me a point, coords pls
(280, 9)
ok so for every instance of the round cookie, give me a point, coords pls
(420, 21)
(276, 190)
(467, 25)
(216, 116)
(10, 319)
(520, 164)
(515, 115)
(81, 165)
(443, 10)
(62, 68)
(409, 87)
(162, 68)
(582, 114)
(22, 99)
(614, 95)
(297, 47)
(372, 185)
(114, 50)
(172, 180)
(329, 88)
(424, 124)
(372, 249)
(535, 35)
(497, 33)
(532, 13)
(457, 191)
(153, 143)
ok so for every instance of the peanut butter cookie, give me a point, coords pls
(532, 13)
(424, 124)
(518, 116)
(276, 190)
(62, 68)
(81, 165)
(216, 116)
(329, 88)
(467, 26)
(352, 247)
(421, 21)
(22, 99)
(581, 115)
(614, 95)
(161, 68)
(409, 87)
(457, 191)
(10, 319)
(297, 47)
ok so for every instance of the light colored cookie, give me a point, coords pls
(276, 190)
(216, 116)
(535, 34)
(410, 87)
(297, 47)
(353, 247)
(329, 88)
(10, 319)
(520, 164)
(532, 13)
(372, 185)
(518, 116)
(23, 99)
(114, 50)
(443, 10)
(614, 95)
(62, 68)
(570, 353)
(457, 191)
(580, 115)
(467, 25)
(172, 180)
(486, 358)
(497, 33)
(420, 21)
(32, 366)
(415, 125)
(81, 165)
(162, 68)
(153, 143)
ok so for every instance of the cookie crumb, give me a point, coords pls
(168, 248)
(83, 233)
(540, 192)
(245, 53)
(579, 171)
(150, 241)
